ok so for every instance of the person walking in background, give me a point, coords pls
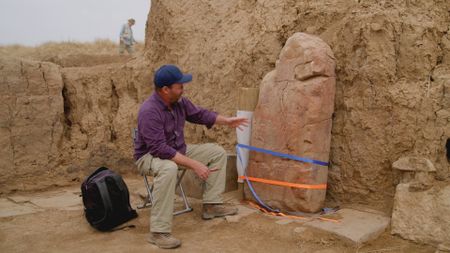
(126, 38)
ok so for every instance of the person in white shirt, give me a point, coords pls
(126, 37)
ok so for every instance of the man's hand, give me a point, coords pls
(202, 171)
(235, 122)
(238, 122)
(199, 168)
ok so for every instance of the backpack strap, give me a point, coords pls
(123, 187)
(104, 193)
(119, 182)
(95, 173)
(124, 227)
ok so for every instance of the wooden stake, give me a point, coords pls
(248, 99)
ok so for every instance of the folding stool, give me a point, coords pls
(148, 201)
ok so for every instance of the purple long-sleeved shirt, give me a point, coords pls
(161, 130)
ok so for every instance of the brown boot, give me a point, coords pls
(164, 240)
(217, 210)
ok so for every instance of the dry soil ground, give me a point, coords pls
(55, 223)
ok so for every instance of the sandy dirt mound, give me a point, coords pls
(86, 60)
(393, 75)
(392, 89)
(59, 124)
(70, 54)
(31, 122)
(65, 113)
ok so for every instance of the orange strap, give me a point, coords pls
(286, 184)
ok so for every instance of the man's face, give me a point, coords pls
(174, 92)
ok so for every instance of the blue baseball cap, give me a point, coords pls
(167, 75)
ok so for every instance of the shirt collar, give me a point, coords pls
(161, 102)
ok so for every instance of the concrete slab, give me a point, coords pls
(284, 221)
(243, 211)
(20, 198)
(355, 227)
(9, 208)
(63, 200)
(60, 200)
(327, 251)
(299, 230)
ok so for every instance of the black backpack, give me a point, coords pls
(106, 200)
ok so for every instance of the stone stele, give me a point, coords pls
(293, 116)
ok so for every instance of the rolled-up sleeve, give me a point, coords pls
(151, 130)
(198, 115)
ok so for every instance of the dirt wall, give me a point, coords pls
(393, 75)
(392, 90)
(59, 124)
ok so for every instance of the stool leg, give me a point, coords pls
(149, 200)
(187, 207)
(149, 190)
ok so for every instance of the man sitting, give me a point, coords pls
(160, 148)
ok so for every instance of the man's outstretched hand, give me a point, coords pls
(238, 122)
(235, 122)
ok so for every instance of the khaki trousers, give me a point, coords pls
(165, 173)
(123, 47)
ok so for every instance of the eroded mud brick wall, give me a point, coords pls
(392, 89)
(393, 82)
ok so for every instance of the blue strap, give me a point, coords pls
(250, 186)
(292, 157)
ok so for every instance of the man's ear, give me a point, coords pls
(165, 89)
